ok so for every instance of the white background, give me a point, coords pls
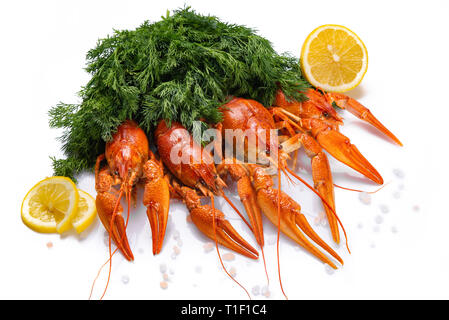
(399, 254)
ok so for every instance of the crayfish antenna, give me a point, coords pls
(98, 274)
(112, 234)
(238, 212)
(120, 238)
(357, 190)
(248, 198)
(279, 230)
(286, 170)
(114, 214)
(249, 226)
(289, 179)
(265, 265)
(218, 251)
(324, 201)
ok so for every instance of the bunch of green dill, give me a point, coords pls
(181, 68)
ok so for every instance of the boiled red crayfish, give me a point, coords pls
(201, 175)
(129, 160)
(313, 125)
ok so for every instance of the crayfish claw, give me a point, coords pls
(212, 223)
(340, 147)
(288, 213)
(230, 238)
(156, 198)
(106, 203)
(304, 225)
(361, 112)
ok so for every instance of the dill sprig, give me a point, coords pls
(181, 68)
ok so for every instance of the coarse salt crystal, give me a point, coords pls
(379, 219)
(228, 256)
(384, 208)
(208, 247)
(365, 198)
(266, 292)
(329, 269)
(256, 290)
(399, 173)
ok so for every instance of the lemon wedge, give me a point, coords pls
(50, 205)
(334, 58)
(86, 212)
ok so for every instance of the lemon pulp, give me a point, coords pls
(334, 58)
(86, 212)
(50, 205)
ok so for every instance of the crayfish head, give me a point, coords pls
(128, 151)
(126, 163)
(283, 102)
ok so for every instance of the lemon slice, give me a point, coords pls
(50, 205)
(334, 58)
(86, 212)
